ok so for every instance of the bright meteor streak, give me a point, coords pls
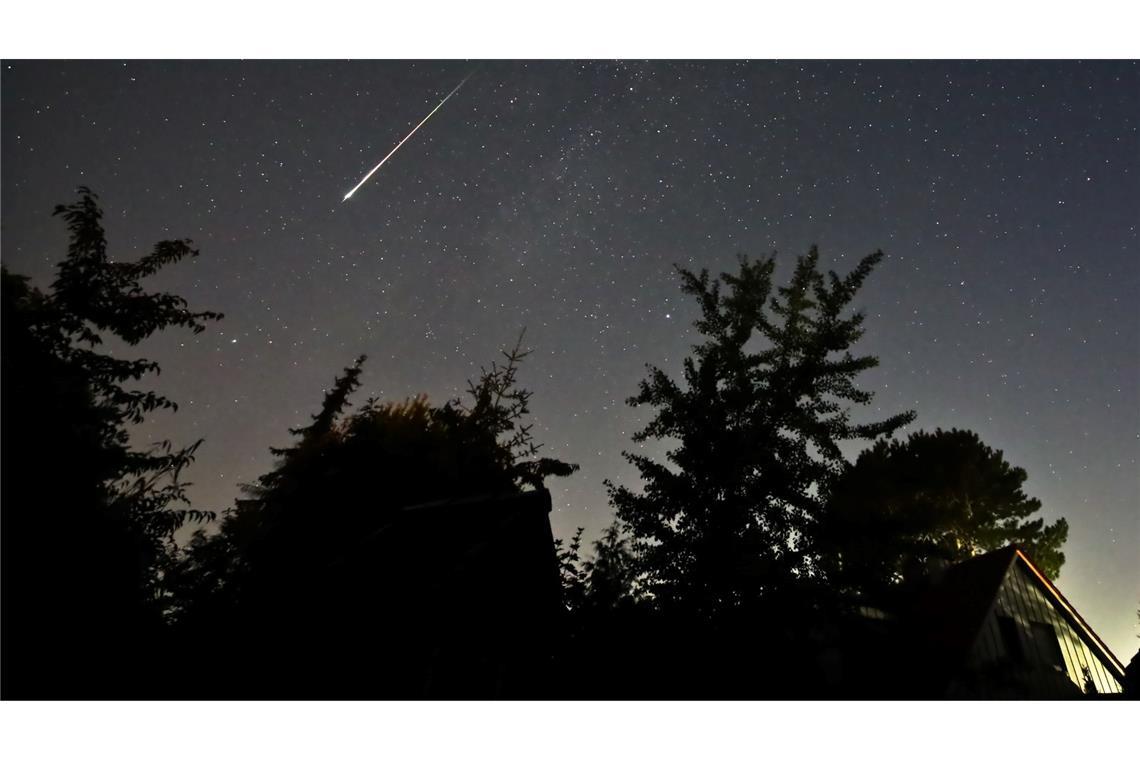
(375, 168)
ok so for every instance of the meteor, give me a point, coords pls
(375, 168)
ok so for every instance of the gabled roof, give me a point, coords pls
(1054, 595)
(950, 613)
(953, 610)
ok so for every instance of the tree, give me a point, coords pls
(571, 572)
(274, 572)
(604, 583)
(604, 613)
(943, 495)
(730, 517)
(88, 520)
(611, 574)
(347, 472)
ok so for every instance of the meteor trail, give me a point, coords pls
(374, 168)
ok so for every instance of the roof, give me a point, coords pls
(502, 541)
(1066, 609)
(953, 610)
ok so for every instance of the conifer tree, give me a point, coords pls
(765, 401)
(942, 495)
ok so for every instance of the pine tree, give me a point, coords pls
(766, 400)
(942, 495)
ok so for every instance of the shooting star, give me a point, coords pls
(377, 167)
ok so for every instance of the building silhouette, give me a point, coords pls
(995, 627)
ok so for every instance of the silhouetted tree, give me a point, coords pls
(611, 575)
(942, 495)
(604, 582)
(605, 613)
(571, 572)
(766, 401)
(87, 519)
(346, 477)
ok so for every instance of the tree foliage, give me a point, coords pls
(604, 583)
(611, 574)
(765, 402)
(571, 572)
(942, 495)
(349, 472)
(88, 519)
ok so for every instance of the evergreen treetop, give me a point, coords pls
(937, 495)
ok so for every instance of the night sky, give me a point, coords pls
(557, 196)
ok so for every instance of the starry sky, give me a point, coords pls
(557, 195)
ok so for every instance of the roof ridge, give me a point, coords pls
(1066, 607)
